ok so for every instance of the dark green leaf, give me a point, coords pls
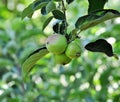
(28, 11)
(59, 27)
(39, 4)
(43, 10)
(58, 14)
(47, 22)
(62, 27)
(56, 27)
(93, 5)
(100, 45)
(69, 1)
(116, 98)
(50, 6)
(95, 18)
(32, 59)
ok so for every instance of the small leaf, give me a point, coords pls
(50, 6)
(58, 14)
(69, 1)
(28, 11)
(39, 4)
(100, 45)
(47, 22)
(95, 18)
(93, 6)
(56, 27)
(59, 27)
(43, 10)
(32, 59)
(62, 28)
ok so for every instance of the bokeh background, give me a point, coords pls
(93, 77)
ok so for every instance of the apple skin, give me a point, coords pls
(56, 43)
(73, 49)
(61, 59)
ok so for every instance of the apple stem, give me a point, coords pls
(64, 10)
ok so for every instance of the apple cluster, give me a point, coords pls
(63, 51)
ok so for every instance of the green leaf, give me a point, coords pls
(104, 78)
(100, 45)
(95, 18)
(32, 59)
(50, 6)
(43, 10)
(28, 11)
(62, 27)
(69, 1)
(93, 5)
(56, 27)
(47, 22)
(39, 4)
(5, 62)
(59, 27)
(58, 14)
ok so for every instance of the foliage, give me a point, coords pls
(93, 77)
(97, 14)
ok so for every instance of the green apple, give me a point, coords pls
(61, 59)
(56, 43)
(73, 50)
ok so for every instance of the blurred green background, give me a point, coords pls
(93, 77)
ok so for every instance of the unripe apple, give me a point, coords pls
(73, 50)
(61, 59)
(56, 43)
